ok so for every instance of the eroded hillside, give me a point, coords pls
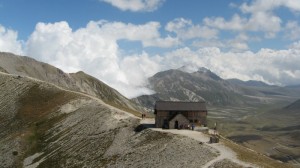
(45, 126)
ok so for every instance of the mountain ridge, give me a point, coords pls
(248, 83)
(80, 81)
(202, 84)
(176, 85)
(47, 125)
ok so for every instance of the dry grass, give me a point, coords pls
(253, 157)
(134, 112)
(35, 107)
(38, 103)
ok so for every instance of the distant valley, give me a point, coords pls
(176, 84)
(244, 110)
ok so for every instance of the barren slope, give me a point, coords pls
(43, 125)
(81, 82)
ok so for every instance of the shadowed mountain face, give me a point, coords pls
(25, 66)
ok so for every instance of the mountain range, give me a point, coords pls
(179, 85)
(259, 116)
(43, 124)
(49, 118)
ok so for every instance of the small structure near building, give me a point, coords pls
(176, 115)
(214, 139)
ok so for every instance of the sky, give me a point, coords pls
(124, 42)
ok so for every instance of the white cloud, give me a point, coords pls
(260, 21)
(138, 68)
(269, 5)
(94, 49)
(295, 45)
(9, 41)
(179, 58)
(236, 23)
(147, 33)
(292, 30)
(237, 44)
(208, 43)
(271, 66)
(136, 5)
(185, 29)
(162, 42)
(261, 17)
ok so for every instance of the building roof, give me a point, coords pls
(179, 106)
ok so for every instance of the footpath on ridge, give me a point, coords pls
(225, 152)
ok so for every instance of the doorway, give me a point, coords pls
(176, 125)
(165, 124)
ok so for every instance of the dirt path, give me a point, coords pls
(119, 114)
(225, 152)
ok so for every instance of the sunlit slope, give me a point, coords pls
(26, 66)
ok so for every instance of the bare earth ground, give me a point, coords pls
(226, 154)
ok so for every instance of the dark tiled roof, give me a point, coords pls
(180, 106)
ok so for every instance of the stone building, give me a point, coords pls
(174, 114)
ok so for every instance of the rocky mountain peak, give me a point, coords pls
(192, 69)
(203, 69)
(189, 68)
(201, 72)
(207, 74)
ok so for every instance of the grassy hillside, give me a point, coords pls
(272, 130)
